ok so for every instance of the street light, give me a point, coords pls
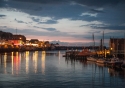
(111, 48)
(111, 51)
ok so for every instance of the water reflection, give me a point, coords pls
(100, 74)
(5, 58)
(43, 62)
(27, 62)
(76, 61)
(48, 68)
(116, 72)
(16, 64)
(12, 62)
(59, 56)
(35, 59)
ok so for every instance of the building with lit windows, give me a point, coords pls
(34, 42)
(17, 39)
(117, 46)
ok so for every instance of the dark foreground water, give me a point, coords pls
(51, 70)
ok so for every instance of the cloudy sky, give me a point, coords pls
(72, 21)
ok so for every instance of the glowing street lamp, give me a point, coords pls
(111, 48)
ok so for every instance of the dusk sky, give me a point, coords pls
(72, 21)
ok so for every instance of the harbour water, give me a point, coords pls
(48, 69)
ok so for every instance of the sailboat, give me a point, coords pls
(102, 60)
(91, 58)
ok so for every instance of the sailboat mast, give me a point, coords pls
(117, 47)
(103, 42)
(124, 46)
(93, 42)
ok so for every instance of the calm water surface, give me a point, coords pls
(40, 69)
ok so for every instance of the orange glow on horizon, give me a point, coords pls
(61, 39)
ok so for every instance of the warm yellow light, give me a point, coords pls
(107, 51)
(111, 48)
(20, 38)
(5, 46)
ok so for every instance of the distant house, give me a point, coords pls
(17, 39)
(34, 42)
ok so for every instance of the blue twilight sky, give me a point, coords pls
(70, 22)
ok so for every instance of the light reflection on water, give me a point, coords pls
(43, 62)
(50, 69)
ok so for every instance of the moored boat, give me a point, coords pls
(123, 65)
(102, 61)
(91, 59)
(115, 62)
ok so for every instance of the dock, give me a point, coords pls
(85, 55)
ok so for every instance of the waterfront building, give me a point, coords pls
(34, 42)
(27, 42)
(5, 35)
(17, 39)
(47, 44)
(117, 46)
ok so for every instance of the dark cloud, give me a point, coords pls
(35, 19)
(1, 3)
(19, 21)
(99, 3)
(49, 22)
(2, 15)
(43, 1)
(51, 32)
(37, 27)
(3, 27)
(50, 29)
(112, 13)
(84, 2)
(110, 27)
(96, 11)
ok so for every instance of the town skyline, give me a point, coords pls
(69, 22)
